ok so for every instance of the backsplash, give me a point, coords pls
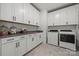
(66, 27)
(19, 26)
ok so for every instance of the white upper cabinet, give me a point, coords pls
(12, 12)
(66, 16)
(50, 19)
(60, 17)
(6, 11)
(31, 15)
(56, 17)
(71, 14)
(19, 12)
(26, 13)
(36, 17)
(18, 9)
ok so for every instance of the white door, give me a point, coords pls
(53, 38)
(19, 12)
(9, 49)
(6, 11)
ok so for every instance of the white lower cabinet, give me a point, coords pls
(29, 42)
(9, 49)
(36, 39)
(21, 48)
(33, 40)
(19, 45)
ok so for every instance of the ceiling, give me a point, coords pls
(51, 6)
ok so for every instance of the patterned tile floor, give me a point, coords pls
(50, 50)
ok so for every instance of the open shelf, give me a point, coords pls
(18, 23)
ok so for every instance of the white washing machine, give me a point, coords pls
(53, 37)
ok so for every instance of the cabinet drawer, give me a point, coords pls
(6, 40)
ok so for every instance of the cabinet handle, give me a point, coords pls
(14, 18)
(53, 24)
(22, 37)
(40, 36)
(16, 45)
(29, 22)
(10, 39)
(32, 39)
(67, 23)
(36, 23)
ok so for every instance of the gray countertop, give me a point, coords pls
(18, 34)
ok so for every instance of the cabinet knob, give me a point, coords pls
(53, 24)
(14, 18)
(29, 22)
(36, 23)
(67, 22)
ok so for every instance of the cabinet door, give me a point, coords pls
(62, 17)
(40, 37)
(29, 42)
(30, 14)
(26, 13)
(57, 15)
(9, 49)
(36, 17)
(71, 14)
(6, 11)
(19, 12)
(35, 40)
(50, 19)
(21, 45)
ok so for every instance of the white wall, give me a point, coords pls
(43, 23)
